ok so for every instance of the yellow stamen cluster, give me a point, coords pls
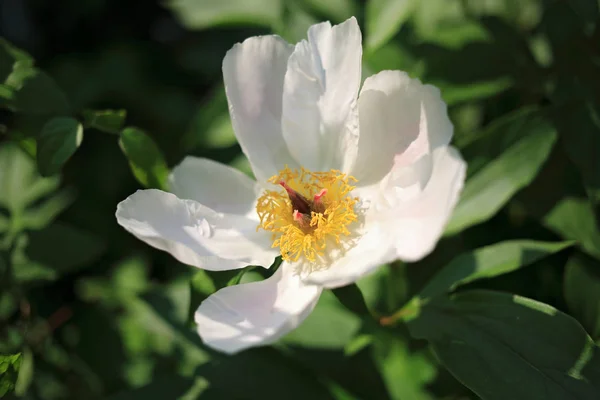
(296, 239)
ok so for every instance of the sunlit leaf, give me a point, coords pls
(201, 14)
(334, 10)
(109, 121)
(9, 369)
(487, 262)
(20, 181)
(145, 158)
(574, 219)
(329, 326)
(59, 139)
(405, 373)
(504, 346)
(497, 181)
(26, 372)
(384, 19)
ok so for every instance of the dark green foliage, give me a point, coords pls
(506, 307)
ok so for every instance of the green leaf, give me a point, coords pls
(335, 10)
(58, 141)
(579, 126)
(109, 121)
(384, 19)
(36, 258)
(42, 215)
(456, 94)
(582, 291)
(145, 158)
(504, 346)
(494, 184)
(487, 262)
(574, 218)
(202, 14)
(20, 182)
(351, 297)
(25, 374)
(9, 369)
(405, 372)
(329, 326)
(36, 93)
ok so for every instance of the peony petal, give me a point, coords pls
(215, 185)
(407, 231)
(253, 72)
(373, 249)
(321, 85)
(257, 313)
(401, 121)
(419, 222)
(194, 234)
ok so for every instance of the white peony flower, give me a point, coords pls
(345, 182)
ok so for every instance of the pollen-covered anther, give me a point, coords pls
(315, 211)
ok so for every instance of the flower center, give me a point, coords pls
(312, 212)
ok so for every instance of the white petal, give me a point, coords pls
(401, 121)
(253, 72)
(257, 313)
(215, 185)
(194, 234)
(418, 223)
(408, 231)
(373, 249)
(319, 97)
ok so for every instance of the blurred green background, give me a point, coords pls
(92, 313)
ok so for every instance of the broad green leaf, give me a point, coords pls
(406, 373)
(58, 141)
(574, 219)
(494, 184)
(145, 158)
(504, 346)
(15, 53)
(579, 126)
(42, 215)
(487, 262)
(335, 10)
(109, 121)
(444, 23)
(329, 326)
(352, 298)
(456, 94)
(77, 247)
(26, 372)
(582, 291)
(36, 93)
(220, 133)
(20, 182)
(202, 14)
(36, 257)
(296, 21)
(384, 19)
(9, 369)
